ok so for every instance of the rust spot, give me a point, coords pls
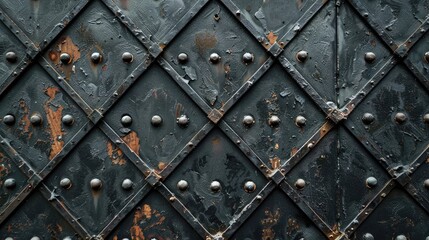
(272, 37)
(336, 233)
(162, 46)
(65, 45)
(271, 219)
(115, 154)
(227, 68)
(161, 165)
(133, 141)
(179, 109)
(152, 218)
(25, 120)
(292, 226)
(324, 129)
(136, 233)
(205, 41)
(293, 151)
(275, 162)
(54, 122)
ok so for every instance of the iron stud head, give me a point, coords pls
(426, 183)
(96, 57)
(248, 121)
(248, 58)
(274, 121)
(67, 120)
(370, 57)
(182, 57)
(126, 120)
(183, 121)
(215, 186)
(65, 183)
(9, 183)
(426, 118)
(249, 186)
(401, 237)
(35, 238)
(368, 236)
(214, 58)
(127, 57)
(156, 120)
(400, 118)
(368, 118)
(426, 57)
(300, 183)
(95, 184)
(9, 119)
(36, 119)
(182, 185)
(127, 184)
(65, 58)
(11, 57)
(300, 121)
(371, 182)
(301, 56)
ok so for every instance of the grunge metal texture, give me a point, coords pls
(214, 119)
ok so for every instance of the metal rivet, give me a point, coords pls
(65, 183)
(35, 238)
(249, 186)
(156, 120)
(426, 118)
(300, 183)
(9, 183)
(182, 185)
(9, 119)
(65, 58)
(248, 120)
(36, 119)
(183, 120)
(67, 238)
(427, 57)
(11, 57)
(215, 186)
(127, 57)
(172, 198)
(400, 118)
(301, 56)
(300, 121)
(371, 182)
(68, 120)
(8, 238)
(368, 118)
(370, 57)
(368, 236)
(426, 183)
(127, 184)
(96, 57)
(126, 120)
(310, 145)
(182, 57)
(214, 58)
(95, 184)
(274, 121)
(401, 237)
(248, 58)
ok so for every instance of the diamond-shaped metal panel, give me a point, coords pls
(12, 52)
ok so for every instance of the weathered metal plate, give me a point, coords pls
(12, 52)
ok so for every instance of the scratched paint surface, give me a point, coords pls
(9, 43)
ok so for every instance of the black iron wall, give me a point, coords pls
(214, 119)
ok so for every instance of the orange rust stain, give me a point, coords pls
(275, 163)
(115, 154)
(271, 219)
(324, 129)
(227, 69)
(115, 238)
(161, 166)
(152, 218)
(65, 45)
(54, 122)
(293, 151)
(25, 120)
(136, 233)
(272, 37)
(336, 232)
(205, 41)
(133, 141)
(292, 225)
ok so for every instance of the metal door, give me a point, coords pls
(214, 119)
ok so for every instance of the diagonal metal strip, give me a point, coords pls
(420, 197)
(424, 81)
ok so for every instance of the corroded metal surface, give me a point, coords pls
(220, 119)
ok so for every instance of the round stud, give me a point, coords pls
(248, 120)
(368, 236)
(65, 183)
(426, 118)
(274, 121)
(95, 184)
(300, 121)
(183, 121)
(426, 183)
(11, 57)
(215, 186)
(427, 57)
(9, 183)
(96, 57)
(300, 183)
(36, 119)
(127, 184)
(65, 58)
(182, 57)
(214, 58)
(368, 118)
(67, 238)
(370, 57)
(127, 57)
(126, 120)
(248, 58)
(249, 186)
(182, 185)
(400, 118)
(9, 119)
(8, 238)
(371, 182)
(35, 238)
(301, 56)
(401, 237)
(156, 120)
(68, 120)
